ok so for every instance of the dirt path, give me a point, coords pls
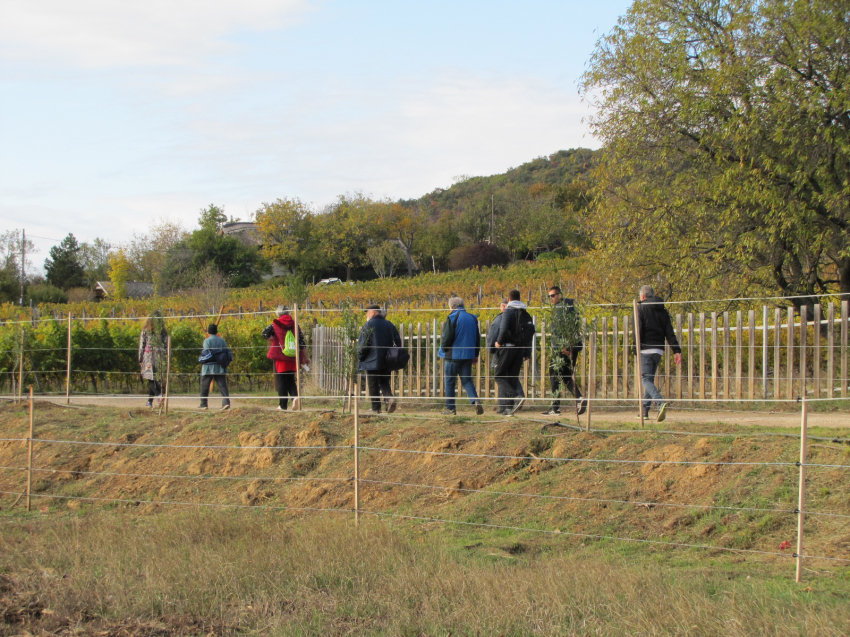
(599, 417)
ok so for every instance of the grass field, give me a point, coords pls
(103, 553)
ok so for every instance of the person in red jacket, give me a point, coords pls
(284, 366)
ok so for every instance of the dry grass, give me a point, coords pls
(198, 572)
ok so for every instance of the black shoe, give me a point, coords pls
(518, 405)
(392, 403)
(581, 406)
(448, 412)
(479, 408)
(662, 412)
(553, 411)
(225, 407)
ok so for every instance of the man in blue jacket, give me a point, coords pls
(376, 337)
(461, 343)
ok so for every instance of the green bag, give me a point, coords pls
(289, 344)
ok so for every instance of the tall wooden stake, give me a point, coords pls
(167, 372)
(68, 372)
(591, 382)
(638, 382)
(21, 369)
(29, 454)
(801, 500)
(296, 402)
(356, 451)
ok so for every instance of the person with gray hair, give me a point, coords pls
(460, 347)
(655, 330)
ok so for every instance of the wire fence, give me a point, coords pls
(349, 461)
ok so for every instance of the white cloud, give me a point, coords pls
(110, 33)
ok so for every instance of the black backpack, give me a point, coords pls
(523, 330)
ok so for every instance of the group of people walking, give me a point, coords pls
(509, 341)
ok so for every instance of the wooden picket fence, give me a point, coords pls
(772, 354)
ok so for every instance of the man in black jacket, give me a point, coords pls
(656, 329)
(376, 337)
(510, 356)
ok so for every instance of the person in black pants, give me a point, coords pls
(284, 366)
(510, 356)
(562, 371)
(376, 337)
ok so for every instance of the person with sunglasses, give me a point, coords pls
(567, 336)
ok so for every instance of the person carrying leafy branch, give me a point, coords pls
(566, 346)
(153, 347)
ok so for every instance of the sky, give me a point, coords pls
(114, 115)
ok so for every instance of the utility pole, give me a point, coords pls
(23, 262)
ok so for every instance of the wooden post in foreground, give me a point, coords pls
(356, 451)
(801, 500)
(638, 382)
(29, 454)
(296, 402)
(167, 371)
(68, 372)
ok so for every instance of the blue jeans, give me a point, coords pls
(463, 369)
(648, 368)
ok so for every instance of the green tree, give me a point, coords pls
(63, 267)
(119, 273)
(726, 126)
(286, 233)
(344, 231)
(212, 218)
(94, 257)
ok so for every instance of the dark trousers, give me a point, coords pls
(284, 383)
(378, 382)
(221, 381)
(563, 378)
(508, 366)
(154, 389)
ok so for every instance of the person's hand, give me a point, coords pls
(498, 345)
(677, 358)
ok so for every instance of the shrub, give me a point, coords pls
(478, 255)
(46, 293)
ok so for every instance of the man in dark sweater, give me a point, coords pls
(510, 356)
(376, 337)
(656, 330)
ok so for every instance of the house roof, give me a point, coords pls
(135, 289)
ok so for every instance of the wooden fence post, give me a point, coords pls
(789, 358)
(845, 305)
(68, 371)
(777, 353)
(804, 341)
(764, 352)
(21, 368)
(801, 498)
(296, 402)
(751, 324)
(167, 371)
(637, 361)
(29, 454)
(830, 349)
(356, 449)
(816, 350)
(591, 383)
